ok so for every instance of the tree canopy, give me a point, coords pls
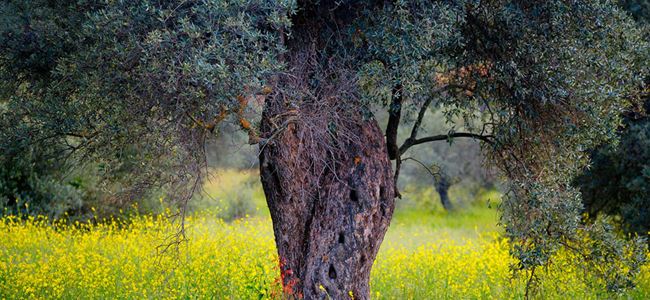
(617, 182)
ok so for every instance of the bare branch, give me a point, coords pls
(433, 174)
(425, 107)
(395, 114)
(394, 153)
(444, 137)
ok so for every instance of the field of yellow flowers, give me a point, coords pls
(237, 260)
(427, 254)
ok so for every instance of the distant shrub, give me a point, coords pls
(31, 183)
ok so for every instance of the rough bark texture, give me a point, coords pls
(330, 209)
(329, 186)
(325, 169)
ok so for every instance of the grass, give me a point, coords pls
(427, 254)
(413, 228)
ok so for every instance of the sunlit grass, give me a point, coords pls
(412, 228)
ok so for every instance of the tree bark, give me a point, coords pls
(325, 169)
(330, 197)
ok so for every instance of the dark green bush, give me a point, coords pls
(618, 183)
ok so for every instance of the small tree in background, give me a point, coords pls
(440, 166)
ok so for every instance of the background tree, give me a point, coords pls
(144, 83)
(617, 182)
(459, 161)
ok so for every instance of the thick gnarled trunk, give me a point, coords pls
(330, 198)
(325, 168)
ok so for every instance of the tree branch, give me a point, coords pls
(395, 114)
(418, 122)
(433, 174)
(443, 137)
(425, 107)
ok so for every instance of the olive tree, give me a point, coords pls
(536, 82)
(617, 182)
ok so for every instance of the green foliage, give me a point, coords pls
(545, 79)
(28, 185)
(618, 181)
(550, 112)
(32, 183)
(132, 87)
(639, 9)
(406, 44)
